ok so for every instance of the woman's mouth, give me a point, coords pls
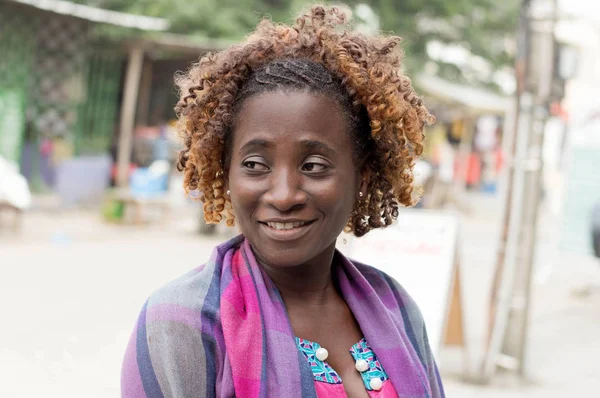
(281, 226)
(286, 231)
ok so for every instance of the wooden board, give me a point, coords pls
(455, 333)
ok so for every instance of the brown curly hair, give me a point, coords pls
(369, 69)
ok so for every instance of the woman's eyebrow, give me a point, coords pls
(306, 144)
(312, 144)
(256, 143)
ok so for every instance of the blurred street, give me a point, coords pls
(71, 287)
(89, 145)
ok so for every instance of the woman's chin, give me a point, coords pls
(286, 258)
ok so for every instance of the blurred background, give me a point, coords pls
(93, 217)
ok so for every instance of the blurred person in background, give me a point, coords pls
(294, 135)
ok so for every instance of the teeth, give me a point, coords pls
(285, 225)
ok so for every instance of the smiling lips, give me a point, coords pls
(286, 231)
(280, 226)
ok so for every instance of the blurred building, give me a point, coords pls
(64, 72)
(464, 146)
(59, 82)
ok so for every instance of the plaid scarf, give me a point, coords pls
(222, 330)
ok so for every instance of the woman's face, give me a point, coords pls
(291, 175)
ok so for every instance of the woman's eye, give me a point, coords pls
(254, 165)
(314, 167)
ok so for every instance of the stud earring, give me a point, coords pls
(360, 194)
(228, 192)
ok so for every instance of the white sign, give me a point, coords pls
(418, 251)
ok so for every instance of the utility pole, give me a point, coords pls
(510, 134)
(512, 290)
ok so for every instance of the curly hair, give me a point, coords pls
(368, 83)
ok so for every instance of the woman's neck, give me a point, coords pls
(310, 283)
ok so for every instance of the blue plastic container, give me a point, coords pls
(145, 184)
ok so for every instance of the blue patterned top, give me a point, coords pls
(361, 350)
(325, 373)
(321, 370)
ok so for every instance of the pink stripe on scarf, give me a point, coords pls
(242, 329)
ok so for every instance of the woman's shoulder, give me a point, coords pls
(389, 288)
(378, 278)
(198, 289)
(175, 328)
(188, 290)
(402, 308)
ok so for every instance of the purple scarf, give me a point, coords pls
(222, 331)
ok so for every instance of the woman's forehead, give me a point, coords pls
(279, 117)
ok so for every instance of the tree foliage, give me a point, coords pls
(483, 27)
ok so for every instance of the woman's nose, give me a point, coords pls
(285, 192)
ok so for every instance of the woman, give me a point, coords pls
(294, 135)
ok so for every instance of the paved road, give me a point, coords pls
(71, 288)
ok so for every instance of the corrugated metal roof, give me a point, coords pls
(99, 15)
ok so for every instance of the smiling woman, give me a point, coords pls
(291, 175)
(295, 135)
